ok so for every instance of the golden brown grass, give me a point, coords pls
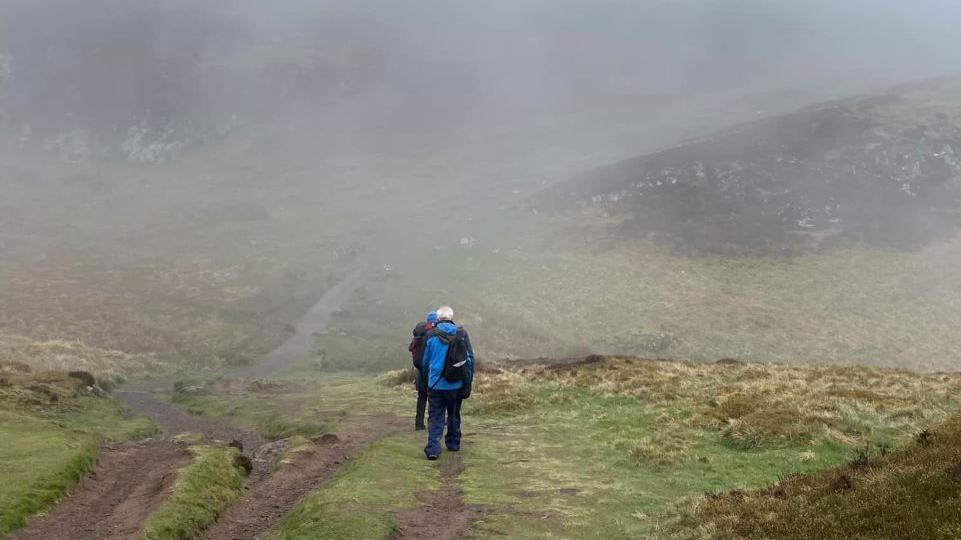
(750, 405)
(62, 355)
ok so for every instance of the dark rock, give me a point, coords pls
(243, 462)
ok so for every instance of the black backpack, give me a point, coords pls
(420, 334)
(455, 363)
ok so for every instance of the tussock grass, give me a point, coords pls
(202, 491)
(607, 447)
(63, 355)
(753, 405)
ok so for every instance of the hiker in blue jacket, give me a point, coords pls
(444, 396)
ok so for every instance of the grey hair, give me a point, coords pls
(445, 313)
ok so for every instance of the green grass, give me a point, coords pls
(360, 501)
(202, 491)
(39, 462)
(310, 405)
(617, 448)
(541, 287)
(567, 470)
(47, 447)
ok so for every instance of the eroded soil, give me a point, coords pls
(111, 503)
(443, 514)
(269, 498)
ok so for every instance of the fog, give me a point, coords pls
(419, 68)
(186, 178)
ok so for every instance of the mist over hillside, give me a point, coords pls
(147, 81)
(881, 170)
(726, 230)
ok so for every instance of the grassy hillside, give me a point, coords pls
(881, 170)
(203, 261)
(51, 425)
(872, 284)
(537, 287)
(912, 492)
(167, 269)
(606, 447)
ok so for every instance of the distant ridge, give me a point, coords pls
(883, 170)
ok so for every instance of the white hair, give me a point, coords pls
(445, 313)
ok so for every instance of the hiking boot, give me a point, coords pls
(420, 428)
(432, 457)
(449, 449)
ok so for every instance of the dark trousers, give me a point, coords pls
(421, 410)
(443, 403)
(421, 385)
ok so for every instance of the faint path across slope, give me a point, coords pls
(132, 480)
(172, 420)
(443, 514)
(301, 344)
(111, 503)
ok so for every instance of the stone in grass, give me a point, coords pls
(243, 462)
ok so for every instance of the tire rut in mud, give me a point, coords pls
(271, 497)
(111, 503)
(443, 514)
(130, 481)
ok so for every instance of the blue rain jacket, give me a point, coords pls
(435, 351)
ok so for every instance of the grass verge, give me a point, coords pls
(51, 426)
(300, 403)
(202, 491)
(360, 501)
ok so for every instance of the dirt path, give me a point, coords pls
(173, 421)
(443, 514)
(300, 345)
(130, 481)
(111, 503)
(269, 499)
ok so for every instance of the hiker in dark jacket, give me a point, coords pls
(416, 349)
(444, 397)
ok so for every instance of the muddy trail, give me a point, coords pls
(266, 501)
(130, 481)
(111, 503)
(443, 514)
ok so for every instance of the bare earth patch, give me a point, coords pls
(443, 514)
(173, 421)
(270, 497)
(129, 482)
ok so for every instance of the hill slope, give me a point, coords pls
(882, 170)
(913, 492)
